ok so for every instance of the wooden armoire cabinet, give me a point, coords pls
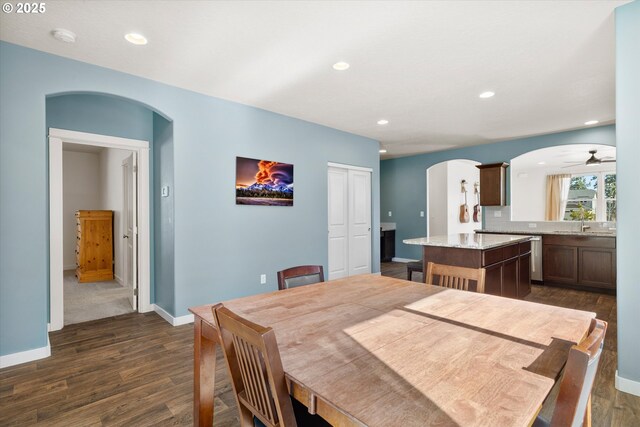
(94, 246)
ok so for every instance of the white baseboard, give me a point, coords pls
(118, 279)
(25, 356)
(69, 267)
(174, 321)
(394, 259)
(628, 386)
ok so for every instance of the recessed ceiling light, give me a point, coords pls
(135, 38)
(591, 122)
(383, 122)
(382, 151)
(64, 35)
(542, 163)
(341, 66)
(487, 94)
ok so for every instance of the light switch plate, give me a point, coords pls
(165, 191)
(497, 214)
(421, 214)
(389, 213)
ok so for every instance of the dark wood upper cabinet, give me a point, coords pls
(493, 184)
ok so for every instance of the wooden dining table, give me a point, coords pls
(378, 351)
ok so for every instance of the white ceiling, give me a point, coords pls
(564, 159)
(421, 65)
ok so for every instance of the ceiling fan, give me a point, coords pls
(593, 160)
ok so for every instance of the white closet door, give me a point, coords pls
(359, 222)
(338, 223)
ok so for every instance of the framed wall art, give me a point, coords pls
(263, 182)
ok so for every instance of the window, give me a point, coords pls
(592, 197)
(610, 196)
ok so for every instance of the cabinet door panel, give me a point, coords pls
(493, 279)
(493, 184)
(510, 278)
(560, 264)
(524, 276)
(597, 267)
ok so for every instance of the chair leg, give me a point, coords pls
(409, 271)
(246, 417)
(587, 415)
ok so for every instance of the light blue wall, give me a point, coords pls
(164, 242)
(628, 146)
(403, 181)
(220, 248)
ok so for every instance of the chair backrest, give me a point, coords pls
(450, 276)
(300, 276)
(573, 401)
(254, 363)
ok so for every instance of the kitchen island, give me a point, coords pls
(584, 260)
(506, 258)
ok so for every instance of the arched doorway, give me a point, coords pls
(445, 197)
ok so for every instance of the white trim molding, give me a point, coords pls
(25, 356)
(56, 289)
(626, 385)
(73, 137)
(405, 260)
(174, 321)
(343, 166)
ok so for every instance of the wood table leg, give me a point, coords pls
(204, 371)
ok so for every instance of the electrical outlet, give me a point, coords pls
(497, 214)
(532, 225)
(263, 279)
(421, 214)
(389, 213)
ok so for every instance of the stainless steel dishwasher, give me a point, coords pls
(536, 258)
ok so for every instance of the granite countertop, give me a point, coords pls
(603, 233)
(468, 240)
(387, 226)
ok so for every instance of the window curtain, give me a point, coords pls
(557, 196)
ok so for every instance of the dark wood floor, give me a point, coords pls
(136, 370)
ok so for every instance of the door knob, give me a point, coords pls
(124, 236)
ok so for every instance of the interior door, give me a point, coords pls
(338, 222)
(130, 227)
(359, 222)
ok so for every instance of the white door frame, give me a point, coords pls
(56, 268)
(129, 202)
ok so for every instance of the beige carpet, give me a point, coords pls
(91, 301)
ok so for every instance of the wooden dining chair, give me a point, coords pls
(257, 375)
(573, 404)
(413, 267)
(300, 276)
(454, 277)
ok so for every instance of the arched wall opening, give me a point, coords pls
(591, 185)
(446, 199)
(117, 118)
